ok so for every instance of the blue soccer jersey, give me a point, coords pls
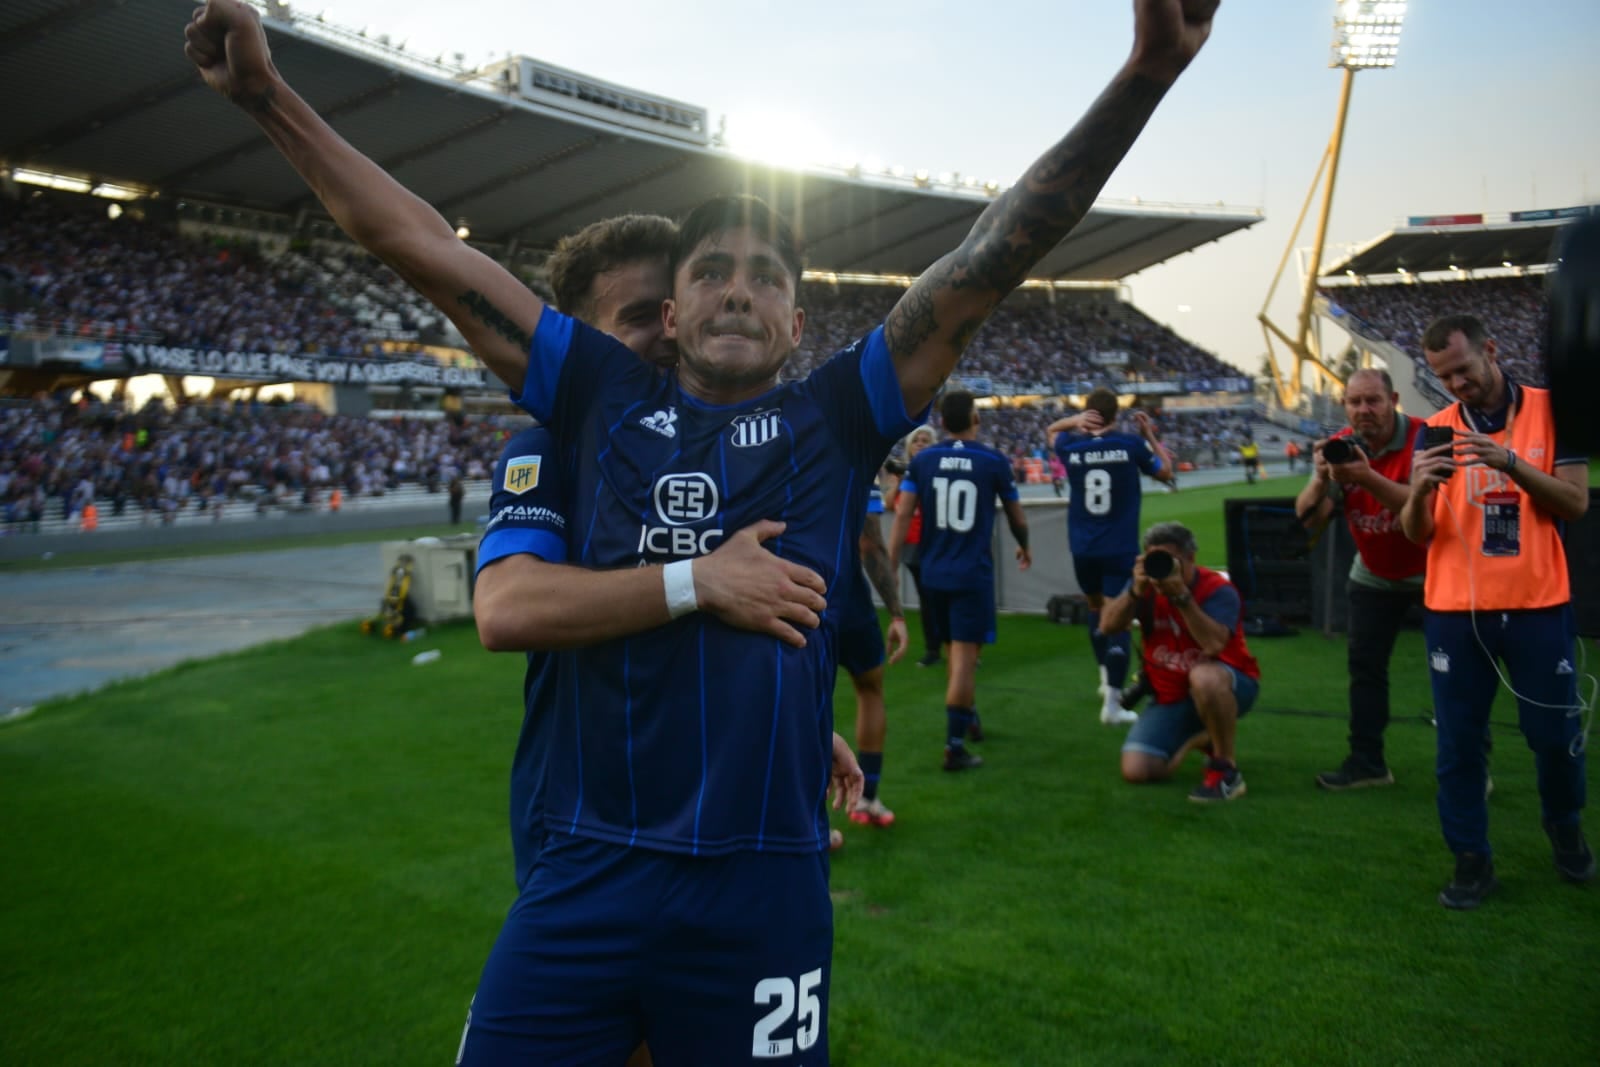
(1103, 472)
(525, 517)
(956, 484)
(696, 737)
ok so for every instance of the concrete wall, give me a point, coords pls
(361, 517)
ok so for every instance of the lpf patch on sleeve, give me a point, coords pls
(522, 474)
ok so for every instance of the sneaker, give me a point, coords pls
(1112, 713)
(1222, 781)
(959, 759)
(975, 731)
(1355, 773)
(1574, 859)
(871, 813)
(930, 659)
(1473, 881)
(835, 840)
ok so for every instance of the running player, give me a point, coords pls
(956, 483)
(1103, 466)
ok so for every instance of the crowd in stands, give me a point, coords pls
(1204, 438)
(70, 267)
(1030, 338)
(127, 279)
(56, 456)
(1513, 309)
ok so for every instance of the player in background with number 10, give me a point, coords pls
(1103, 464)
(955, 482)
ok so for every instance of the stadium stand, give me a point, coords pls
(162, 466)
(1512, 308)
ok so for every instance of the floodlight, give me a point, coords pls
(1366, 33)
(463, 231)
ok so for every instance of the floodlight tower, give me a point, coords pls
(1366, 35)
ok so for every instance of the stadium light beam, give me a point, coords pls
(1366, 36)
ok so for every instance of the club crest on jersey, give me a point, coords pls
(662, 422)
(749, 431)
(522, 474)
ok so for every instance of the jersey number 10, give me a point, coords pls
(955, 504)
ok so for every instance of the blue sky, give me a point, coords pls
(1492, 107)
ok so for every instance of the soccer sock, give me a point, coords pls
(957, 721)
(1117, 647)
(871, 769)
(1097, 640)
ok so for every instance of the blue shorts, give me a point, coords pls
(1163, 729)
(860, 640)
(722, 959)
(962, 614)
(1105, 575)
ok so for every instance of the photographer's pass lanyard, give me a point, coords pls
(1502, 510)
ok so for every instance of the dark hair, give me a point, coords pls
(581, 257)
(955, 408)
(1436, 338)
(723, 213)
(1104, 401)
(1171, 533)
(1383, 376)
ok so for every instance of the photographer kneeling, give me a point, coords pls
(1195, 659)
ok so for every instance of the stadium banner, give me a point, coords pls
(1445, 220)
(975, 386)
(1170, 388)
(1550, 213)
(1220, 385)
(279, 367)
(1112, 358)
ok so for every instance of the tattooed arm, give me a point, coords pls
(494, 311)
(932, 324)
(875, 561)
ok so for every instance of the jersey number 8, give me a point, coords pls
(1097, 492)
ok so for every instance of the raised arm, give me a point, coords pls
(493, 310)
(932, 323)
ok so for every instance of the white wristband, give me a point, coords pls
(678, 580)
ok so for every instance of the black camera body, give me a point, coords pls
(895, 467)
(1158, 564)
(1341, 450)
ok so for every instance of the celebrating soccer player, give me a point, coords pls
(682, 891)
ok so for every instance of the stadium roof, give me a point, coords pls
(1453, 245)
(101, 89)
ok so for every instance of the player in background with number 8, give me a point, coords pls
(955, 482)
(1103, 465)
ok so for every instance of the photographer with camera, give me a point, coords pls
(1489, 492)
(1368, 465)
(1195, 658)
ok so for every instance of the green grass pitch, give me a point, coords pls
(299, 854)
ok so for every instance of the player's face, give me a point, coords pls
(1467, 372)
(1369, 408)
(733, 315)
(627, 304)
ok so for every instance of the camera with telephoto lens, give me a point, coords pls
(1340, 450)
(895, 467)
(1159, 564)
